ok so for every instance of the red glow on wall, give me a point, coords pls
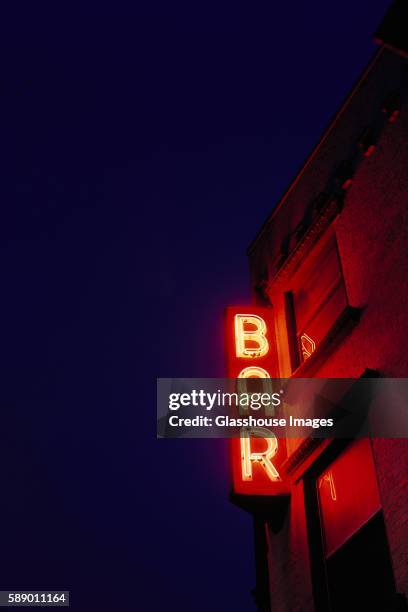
(348, 494)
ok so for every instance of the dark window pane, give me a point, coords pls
(328, 312)
(360, 574)
(319, 298)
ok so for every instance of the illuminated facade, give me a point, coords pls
(328, 271)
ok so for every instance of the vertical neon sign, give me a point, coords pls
(256, 456)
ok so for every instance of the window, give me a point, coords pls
(349, 554)
(355, 548)
(348, 495)
(316, 301)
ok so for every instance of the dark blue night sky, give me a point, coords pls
(143, 145)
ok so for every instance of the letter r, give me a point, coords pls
(264, 459)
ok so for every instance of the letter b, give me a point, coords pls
(257, 337)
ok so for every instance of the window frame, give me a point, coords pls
(348, 313)
(314, 521)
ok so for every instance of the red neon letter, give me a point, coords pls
(257, 336)
(253, 372)
(264, 459)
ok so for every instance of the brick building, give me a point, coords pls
(332, 262)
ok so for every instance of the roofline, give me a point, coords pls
(316, 148)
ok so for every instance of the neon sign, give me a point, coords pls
(256, 335)
(248, 456)
(308, 345)
(257, 455)
(250, 343)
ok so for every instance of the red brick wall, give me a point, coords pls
(372, 235)
(290, 580)
(391, 457)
